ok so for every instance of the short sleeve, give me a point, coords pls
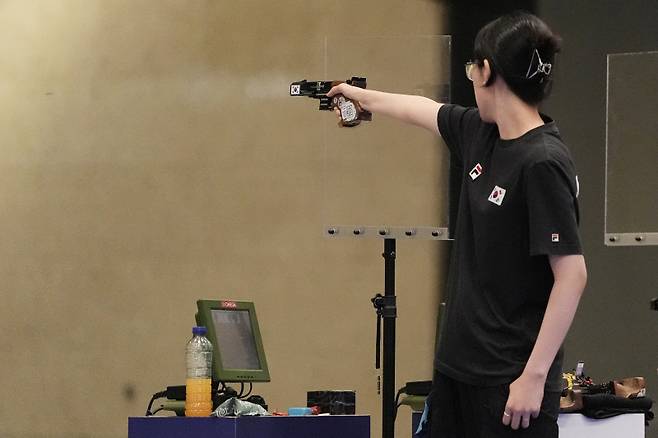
(455, 123)
(552, 209)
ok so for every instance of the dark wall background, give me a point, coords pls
(615, 333)
(465, 20)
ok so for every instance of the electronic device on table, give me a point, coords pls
(238, 354)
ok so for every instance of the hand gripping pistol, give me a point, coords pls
(351, 113)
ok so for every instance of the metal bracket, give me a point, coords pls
(386, 306)
(384, 232)
(631, 239)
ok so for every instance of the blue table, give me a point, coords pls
(332, 426)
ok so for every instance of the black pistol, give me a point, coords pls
(351, 113)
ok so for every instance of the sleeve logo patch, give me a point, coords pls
(555, 237)
(497, 195)
(477, 171)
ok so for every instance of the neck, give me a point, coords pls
(514, 117)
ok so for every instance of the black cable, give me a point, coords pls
(241, 389)
(157, 395)
(251, 387)
(157, 410)
(221, 390)
(397, 402)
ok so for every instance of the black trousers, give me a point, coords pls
(458, 410)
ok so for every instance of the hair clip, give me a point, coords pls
(542, 67)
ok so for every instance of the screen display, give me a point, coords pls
(235, 337)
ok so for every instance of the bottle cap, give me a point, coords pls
(199, 330)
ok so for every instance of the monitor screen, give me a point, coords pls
(238, 353)
(235, 339)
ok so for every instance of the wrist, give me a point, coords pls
(362, 96)
(535, 373)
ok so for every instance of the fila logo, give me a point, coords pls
(497, 195)
(555, 237)
(477, 171)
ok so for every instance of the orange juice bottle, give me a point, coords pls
(198, 359)
(198, 402)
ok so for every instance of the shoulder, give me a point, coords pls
(451, 114)
(548, 162)
(548, 149)
(461, 124)
(451, 109)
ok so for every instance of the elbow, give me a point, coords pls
(583, 281)
(582, 277)
(570, 271)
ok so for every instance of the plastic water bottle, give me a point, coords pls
(198, 359)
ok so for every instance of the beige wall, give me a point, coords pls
(148, 160)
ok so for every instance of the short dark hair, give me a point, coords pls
(509, 44)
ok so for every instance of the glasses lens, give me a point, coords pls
(469, 70)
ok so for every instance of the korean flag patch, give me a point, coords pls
(477, 171)
(497, 195)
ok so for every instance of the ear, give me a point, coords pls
(486, 72)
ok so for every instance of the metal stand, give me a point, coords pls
(385, 305)
(387, 310)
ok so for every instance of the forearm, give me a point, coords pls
(559, 315)
(416, 110)
(398, 106)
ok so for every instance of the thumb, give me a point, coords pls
(337, 89)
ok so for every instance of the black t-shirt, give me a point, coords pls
(518, 204)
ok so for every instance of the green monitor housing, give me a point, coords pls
(238, 354)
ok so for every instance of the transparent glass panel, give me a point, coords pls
(632, 144)
(384, 172)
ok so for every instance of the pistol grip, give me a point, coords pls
(351, 113)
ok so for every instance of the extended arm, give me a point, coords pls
(416, 110)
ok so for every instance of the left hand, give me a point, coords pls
(525, 396)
